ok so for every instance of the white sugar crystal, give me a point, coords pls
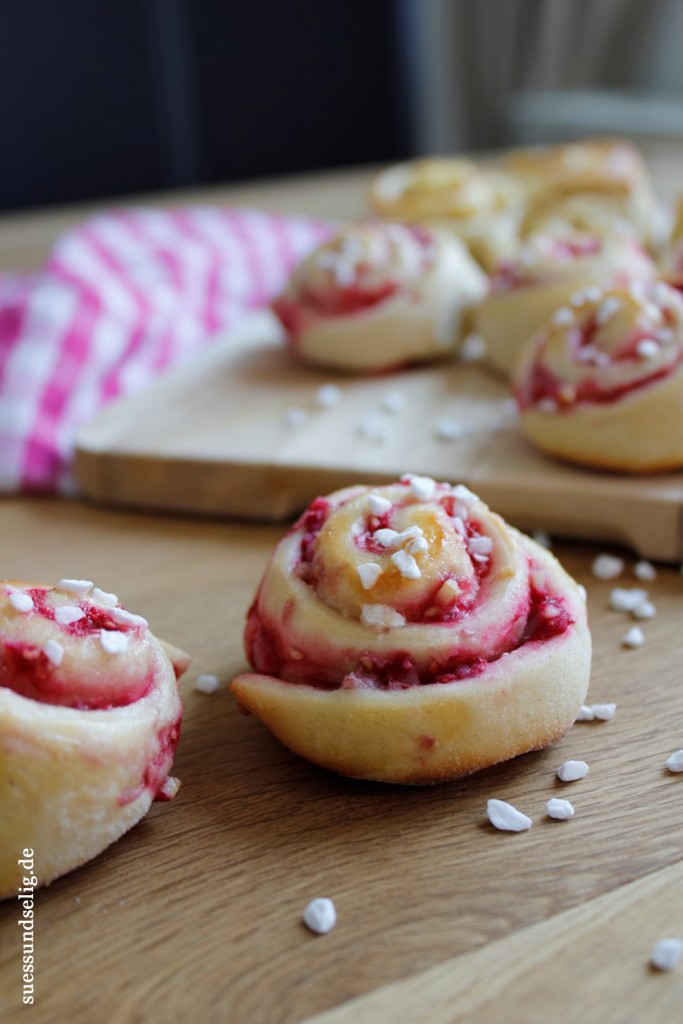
(328, 395)
(168, 791)
(54, 652)
(644, 610)
(296, 418)
(123, 618)
(417, 545)
(504, 816)
(448, 429)
(20, 601)
(381, 616)
(604, 712)
(464, 494)
(675, 762)
(548, 405)
(607, 567)
(647, 348)
(111, 600)
(422, 487)
(386, 537)
(113, 642)
(633, 637)
(78, 587)
(584, 714)
(459, 526)
(393, 401)
(65, 614)
(593, 293)
(667, 954)
(374, 427)
(320, 916)
(563, 316)
(207, 683)
(607, 309)
(406, 565)
(472, 349)
(369, 573)
(644, 571)
(559, 809)
(583, 593)
(571, 771)
(578, 298)
(627, 599)
(480, 545)
(542, 538)
(378, 505)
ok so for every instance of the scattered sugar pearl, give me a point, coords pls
(584, 714)
(369, 573)
(378, 505)
(644, 610)
(465, 495)
(667, 954)
(572, 771)
(593, 293)
(207, 683)
(406, 565)
(374, 427)
(559, 809)
(505, 817)
(563, 317)
(386, 537)
(542, 538)
(20, 601)
(607, 567)
(604, 712)
(113, 642)
(422, 487)
(644, 571)
(472, 349)
(607, 309)
(393, 401)
(168, 791)
(54, 652)
(647, 348)
(320, 916)
(626, 599)
(381, 616)
(675, 762)
(633, 637)
(447, 429)
(111, 600)
(123, 618)
(77, 587)
(480, 545)
(583, 593)
(548, 405)
(66, 614)
(296, 418)
(418, 545)
(328, 396)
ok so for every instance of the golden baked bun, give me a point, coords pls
(89, 722)
(602, 382)
(544, 274)
(610, 174)
(481, 204)
(671, 256)
(407, 634)
(380, 296)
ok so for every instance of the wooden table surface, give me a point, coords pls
(195, 914)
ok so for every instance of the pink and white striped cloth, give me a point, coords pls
(122, 297)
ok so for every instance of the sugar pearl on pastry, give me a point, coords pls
(422, 487)
(572, 771)
(386, 537)
(320, 916)
(406, 565)
(378, 505)
(123, 618)
(369, 573)
(77, 587)
(381, 616)
(20, 601)
(393, 401)
(559, 809)
(296, 418)
(562, 317)
(607, 309)
(54, 652)
(328, 396)
(66, 614)
(111, 600)
(648, 348)
(480, 545)
(113, 642)
(506, 817)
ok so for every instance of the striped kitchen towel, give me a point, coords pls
(122, 297)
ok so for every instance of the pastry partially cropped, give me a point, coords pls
(378, 297)
(671, 256)
(609, 175)
(407, 634)
(602, 382)
(545, 273)
(482, 204)
(89, 721)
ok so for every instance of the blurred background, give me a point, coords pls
(109, 99)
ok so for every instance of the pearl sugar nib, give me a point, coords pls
(667, 954)
(320, 915)
(572, 771)
(505, 817)
(675, 762)
(607, 567)
(559, 809)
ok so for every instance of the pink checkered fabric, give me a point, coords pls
(122, 297)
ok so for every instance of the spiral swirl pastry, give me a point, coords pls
(610, 175)
(481, 204)
(671, 255)
(89, 722)
(379, 296)
(545, 273)
(407, 634)
(602, 382)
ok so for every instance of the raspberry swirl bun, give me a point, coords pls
(89, 721)
(602, 383)
(544, 274)
(379, 296)
(407, 634)
(482, 205)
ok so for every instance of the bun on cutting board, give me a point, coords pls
(89, 721)
(407, 634)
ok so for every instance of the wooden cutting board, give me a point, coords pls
(212, 437)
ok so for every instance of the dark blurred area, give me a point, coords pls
(103, 99)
